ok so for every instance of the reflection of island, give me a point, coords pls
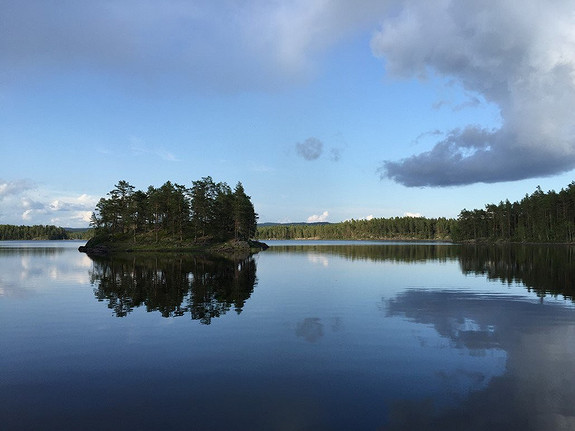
(538, 388)
(203, 286)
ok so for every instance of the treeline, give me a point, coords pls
(37, 232)
(539, 217)
(396, 228)
(204, 212)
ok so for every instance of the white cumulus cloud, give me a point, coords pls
(318, 218)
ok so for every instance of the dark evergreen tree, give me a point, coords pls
(244, 215)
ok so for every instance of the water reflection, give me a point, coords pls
(545, 269)
(470, 321)
(442, 351)
(29, 251)
(311, 329)
(372, 251)
(538, 388)
(27, 267)
(202, 286)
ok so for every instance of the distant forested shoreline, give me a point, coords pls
(540, 217)
(41, 232)
(396, 228)
(215, 211)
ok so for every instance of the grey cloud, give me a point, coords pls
(476, 155)
(520, 58)
(224, 46)
(310, 149)
(17, 187)
(32, 205)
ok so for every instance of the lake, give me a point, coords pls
(303, 336)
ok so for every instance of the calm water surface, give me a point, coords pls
(303, 336)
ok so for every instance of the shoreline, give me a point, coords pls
(226, 248)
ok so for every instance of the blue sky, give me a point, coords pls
(324, 110)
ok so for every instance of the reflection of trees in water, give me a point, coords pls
(546, 269)
(204, 286)
(30, 251)
(377, 252)
(536, 391)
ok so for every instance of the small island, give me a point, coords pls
(207, 217)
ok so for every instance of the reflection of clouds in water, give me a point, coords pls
(311, 328)
(453, 379)
(320, 259)
(461, 317)
(25, 270)
(537, 390)
(6, 288)
(337, 324)
(74, 272)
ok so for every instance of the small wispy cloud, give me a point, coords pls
(138, 147)
(335, 154)
(472, 102)
(26, 215)
(408, 214)
(429, 133)
(261, 168)
(310, 149)
(318, 218)
(313, 149)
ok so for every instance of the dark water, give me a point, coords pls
(303, 336)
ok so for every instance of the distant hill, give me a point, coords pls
(267, 224)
